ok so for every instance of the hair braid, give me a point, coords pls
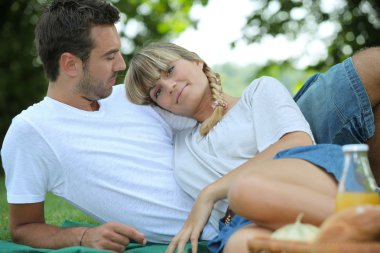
(219, 104)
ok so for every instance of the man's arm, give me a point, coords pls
(27, 226)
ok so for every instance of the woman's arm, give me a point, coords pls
(218, 190)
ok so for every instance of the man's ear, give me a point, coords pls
(70, 64)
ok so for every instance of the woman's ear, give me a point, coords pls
(70, 64)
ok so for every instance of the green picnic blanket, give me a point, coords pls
(8, 247)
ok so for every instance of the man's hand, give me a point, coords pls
(27, 226)
(111, 236)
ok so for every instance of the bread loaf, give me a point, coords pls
(356, 224)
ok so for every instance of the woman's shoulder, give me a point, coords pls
(264, 83)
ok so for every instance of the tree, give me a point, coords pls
(23, 82)
(356, 24)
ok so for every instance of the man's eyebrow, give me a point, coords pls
(111, 51)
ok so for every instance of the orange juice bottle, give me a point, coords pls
(350, 199)
(357, 185)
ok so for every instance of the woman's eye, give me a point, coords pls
(157, 93)
(169, 71)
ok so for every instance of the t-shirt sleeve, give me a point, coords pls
(26, 170)
(274, 111)
(176, 122)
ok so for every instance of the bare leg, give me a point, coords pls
(238, 242)
(367, 64)
(274, 193)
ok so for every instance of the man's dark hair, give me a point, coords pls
(65, 26)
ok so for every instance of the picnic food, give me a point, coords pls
(296, 232)
(353, 230)
(359, 224)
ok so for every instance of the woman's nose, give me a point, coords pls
(170, 85)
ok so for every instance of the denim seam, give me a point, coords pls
(357, 85)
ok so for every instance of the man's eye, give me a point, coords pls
(111, 57)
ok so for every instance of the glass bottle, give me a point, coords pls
(357, 185)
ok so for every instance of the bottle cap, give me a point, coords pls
(355, 147)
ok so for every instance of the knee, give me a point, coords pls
(238, 242)
(245, 196)
(367, 57)
(239, 191)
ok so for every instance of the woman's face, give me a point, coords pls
(181, 88)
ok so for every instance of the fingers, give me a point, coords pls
(179, 241)
(194, 245)
(182, 243)
(194, 241)
(130, 233)
(112, 236)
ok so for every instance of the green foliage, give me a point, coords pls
(291, 77)
(56, 212)
(357, 23)
(23, 82)
(153, 20)
(4, 233)
(236, 78)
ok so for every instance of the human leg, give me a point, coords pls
(342, 104)
(239, 240)
(275, 200)
(374, 148)
(302, 179)
(367, 65)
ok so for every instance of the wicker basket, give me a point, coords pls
(277, 246)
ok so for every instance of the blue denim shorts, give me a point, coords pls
(328, 157)
(337, 106)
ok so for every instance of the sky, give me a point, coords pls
(221, 22)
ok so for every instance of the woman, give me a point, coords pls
(236, 138)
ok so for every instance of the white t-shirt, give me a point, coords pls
(264, 113)
(115, 164)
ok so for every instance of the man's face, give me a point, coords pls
(105, 61)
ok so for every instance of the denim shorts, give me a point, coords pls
(328, 157)
(337, 106)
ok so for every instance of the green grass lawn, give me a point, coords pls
(56, 212)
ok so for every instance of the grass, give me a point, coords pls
(56, 212)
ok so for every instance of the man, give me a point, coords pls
(87, 144)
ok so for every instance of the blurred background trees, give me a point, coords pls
(352, 24)
(342, 26)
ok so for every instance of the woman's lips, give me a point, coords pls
(180, 93)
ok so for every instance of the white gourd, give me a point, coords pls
(296, 232)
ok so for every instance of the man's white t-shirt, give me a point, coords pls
(115, 164)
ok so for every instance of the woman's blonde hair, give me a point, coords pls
(147, 65)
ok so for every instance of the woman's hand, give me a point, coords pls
(194, 224)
